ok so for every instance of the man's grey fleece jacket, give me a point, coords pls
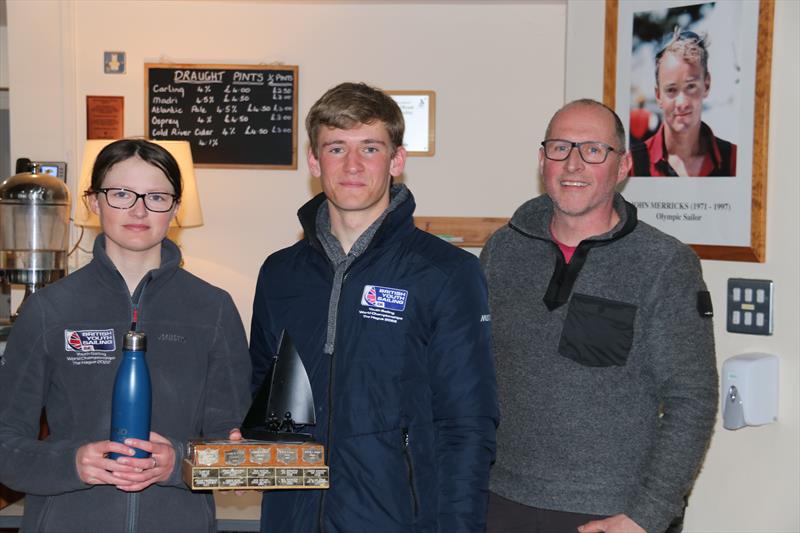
(605, 367)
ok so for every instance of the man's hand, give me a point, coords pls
(619, 523)
(157, 467)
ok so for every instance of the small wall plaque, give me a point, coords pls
(419, 112)
(105, 117)
(114, 62)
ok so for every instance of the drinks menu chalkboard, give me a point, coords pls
(233, 115)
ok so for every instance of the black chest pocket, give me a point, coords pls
(597, 331)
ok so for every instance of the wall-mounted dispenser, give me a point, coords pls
(749, 390)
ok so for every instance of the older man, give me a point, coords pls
(604, 348)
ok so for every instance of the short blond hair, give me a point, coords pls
(686, 45)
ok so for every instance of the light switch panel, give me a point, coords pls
(750, 306)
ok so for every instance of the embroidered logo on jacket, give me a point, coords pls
(172, 337)
(89, 340)
(383, 303)
(384, 297)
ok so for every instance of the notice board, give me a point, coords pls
(233, 115)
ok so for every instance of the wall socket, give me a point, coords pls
(750, 306)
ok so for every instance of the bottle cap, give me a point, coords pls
(134, 341)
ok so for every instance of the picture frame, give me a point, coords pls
(105, 117)
(722, 218)
(233, 115)
(419, 112)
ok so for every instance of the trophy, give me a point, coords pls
(275, 453)
(284, 402)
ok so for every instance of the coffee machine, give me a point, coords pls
(34, 235)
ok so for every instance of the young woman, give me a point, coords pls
(65, 348)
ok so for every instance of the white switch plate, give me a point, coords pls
(750, 306)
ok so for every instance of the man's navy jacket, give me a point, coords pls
(406, 405)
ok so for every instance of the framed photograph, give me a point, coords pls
(691, 83)
(419, 112)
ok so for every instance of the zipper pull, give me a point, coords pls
(405, 437)
(135, 317)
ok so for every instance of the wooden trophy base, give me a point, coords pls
(252, 464)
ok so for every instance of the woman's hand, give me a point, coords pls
(95, 468)
(157, 467)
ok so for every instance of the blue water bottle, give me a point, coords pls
(132, 400)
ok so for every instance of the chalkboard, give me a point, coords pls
(233, 115)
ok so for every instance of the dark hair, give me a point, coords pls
(124, 149)
(687, 45)
(349, 104)
(619, 129)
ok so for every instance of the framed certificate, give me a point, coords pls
(419, 111)
(105, 117)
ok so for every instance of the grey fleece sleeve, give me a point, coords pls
(27, 464)
(228, 381)
(680, 344)
(227, 395)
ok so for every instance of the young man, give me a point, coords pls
(392, 326)
(683, 145)
(604, 348)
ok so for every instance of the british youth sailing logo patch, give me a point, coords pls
(383, 304)
(384, 297)
(89, 340)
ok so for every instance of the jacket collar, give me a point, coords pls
(109, 275)
(397, 223)
(657, 148)
(534, 216)
(533, 220)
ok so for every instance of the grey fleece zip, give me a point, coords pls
(341, 262)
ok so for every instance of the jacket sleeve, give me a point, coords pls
(227, 395)
(26, 463)
(464, 399)
(680, 343)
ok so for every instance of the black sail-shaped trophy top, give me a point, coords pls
(284, 401)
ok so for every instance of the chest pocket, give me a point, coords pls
(597, 332)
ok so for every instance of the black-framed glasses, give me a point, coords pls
(592, 152)
(119, 198)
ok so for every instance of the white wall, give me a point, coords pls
(488, 128)
(3, 54)
(482, 61)
(751, 478)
